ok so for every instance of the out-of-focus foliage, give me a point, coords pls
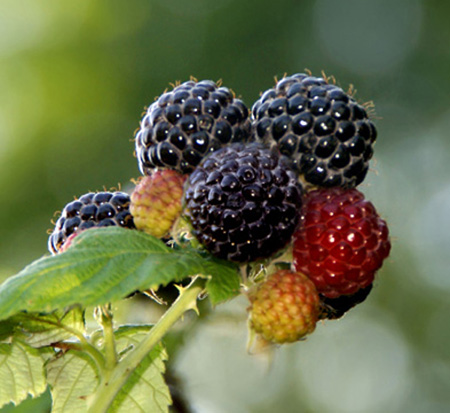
(74, 80)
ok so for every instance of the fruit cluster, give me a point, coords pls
(269, 187)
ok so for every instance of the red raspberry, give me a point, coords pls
(284, 308)
(341, 242)
(156, 201)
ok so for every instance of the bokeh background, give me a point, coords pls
(74, 79)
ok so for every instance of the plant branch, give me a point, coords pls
(108, 389)
(91, 350)
(84, 345)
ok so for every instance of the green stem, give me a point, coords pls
(95, 354)
(108, 389)
(91, 350)
(85, 346)
(108, 338)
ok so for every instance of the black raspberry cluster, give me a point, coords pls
(266, 186)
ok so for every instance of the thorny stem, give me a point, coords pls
(108, 388)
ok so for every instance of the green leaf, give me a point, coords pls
(7, 328)
(40, 330)
(146, 389)
(107, 264)
(223, 285)
(21, 373)
(72, 378)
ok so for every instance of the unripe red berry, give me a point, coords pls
(156, 201)
(341, 241)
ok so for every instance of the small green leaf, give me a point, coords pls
(223, 285)
(146, 389)
(40, 330)
(72, 378)
(21, 373)
(107, 264)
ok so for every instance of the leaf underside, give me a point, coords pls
(21, 373)
(72, 378)
(41, 330)
(146, 389)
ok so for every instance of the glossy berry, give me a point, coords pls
(186, 124)
(243, 202)
(156, 201)
(325, 132)
(341, 241)
(101, 209)
(284, 308)
(334, 308)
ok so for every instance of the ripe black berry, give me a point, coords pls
(243, 202)
(184, 125)
(99, 209)
(325, 132)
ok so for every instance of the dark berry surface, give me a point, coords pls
(341, 241)
(184, 125)
(325, 132)
(334, 308)
(244, 202)
(99, 209)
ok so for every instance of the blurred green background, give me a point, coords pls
(74, 79)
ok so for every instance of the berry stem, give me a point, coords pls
(106, 320)
(93, 352)
(112, 383)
